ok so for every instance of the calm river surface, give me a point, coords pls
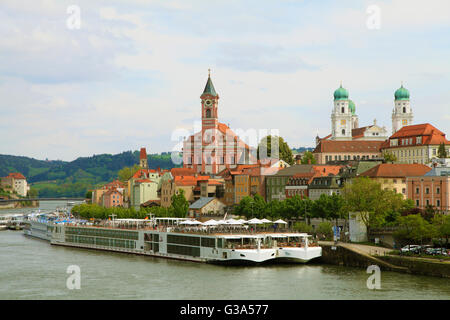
(33, 269)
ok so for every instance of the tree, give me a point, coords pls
(442, 226)
(325, 228)
(88, 194)
(265, 149)
(389, 157)
(442, 153)
(179, 204)
(366, 197)
(413, 229)
(126, 173)
(308, 158)
(33, 193)
(302, 227)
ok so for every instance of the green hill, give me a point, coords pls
(73, 179)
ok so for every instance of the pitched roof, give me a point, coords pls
(386, 170)
(209, 88)
(348, 146)
(16, 175)
(417, 130)
(359, 132)
(200, 203)
(182, 171)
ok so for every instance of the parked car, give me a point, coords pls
(410, 248)
(437, 251)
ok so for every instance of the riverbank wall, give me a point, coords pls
(345, 255)
(18, 205)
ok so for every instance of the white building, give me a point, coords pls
(401, 114)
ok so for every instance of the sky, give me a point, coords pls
(131, 73)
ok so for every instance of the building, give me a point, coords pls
(97, 194)
(328, 185)
(338, 150)
(345, 123)
(143, 161)
(431, 189)
(112, 198)
(216, 147)
(402, 113)
(16, 182)
(299, 182)
(416, 144)
(393, 176)
(145, 185)
(206, 206)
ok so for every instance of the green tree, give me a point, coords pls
(441, 223)
(325, 228)
(126, 173)
(389, 157)
(179, 204)
(413, 229)
(303, 227)
(33, 193)
(88, 194)
(366, 197)
(265, 149)
(308, 158)
(442, 153)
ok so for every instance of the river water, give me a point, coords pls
(33, 269)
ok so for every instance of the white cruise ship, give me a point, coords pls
(166, 238)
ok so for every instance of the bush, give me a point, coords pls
(303, 227)
(325, 228)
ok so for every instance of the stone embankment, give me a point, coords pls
(362, 256)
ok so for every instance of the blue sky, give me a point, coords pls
(134, 71)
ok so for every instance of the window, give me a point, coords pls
(438, 190)
(208, 113)
(343, 131)
(417, 190)
(428, 202)
(417, 203)
(404, 111)
(438, 203)
(343, 110)
(427, 190)
(403, 190)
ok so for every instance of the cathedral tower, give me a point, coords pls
(343, 117)
(401, 114)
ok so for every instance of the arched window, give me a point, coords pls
(343, 109)
(208, 113)
(343, 131)
(404, 109)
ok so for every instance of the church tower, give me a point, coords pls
(343, 117)
(210, 101)
(143, 159)
(401, 114)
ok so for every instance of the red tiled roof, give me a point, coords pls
(348, 146)
(144, 172)
(424, 129)
(386, 170)
(16, 175)
(182, 171)
(359, 132)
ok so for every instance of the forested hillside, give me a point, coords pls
(73, 179)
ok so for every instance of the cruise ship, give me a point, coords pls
(169, 238)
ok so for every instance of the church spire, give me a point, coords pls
(209, 88)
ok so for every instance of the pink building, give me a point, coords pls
(112, 198)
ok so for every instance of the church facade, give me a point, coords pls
(216, 147)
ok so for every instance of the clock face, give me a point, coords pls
(208, 102)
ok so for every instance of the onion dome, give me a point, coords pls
(352, 107)
(402, 94)
(341, 94)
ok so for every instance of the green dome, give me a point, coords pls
(401, 94)
(340, 94)
(352, 107)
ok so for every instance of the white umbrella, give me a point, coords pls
(195, 222)
(254, 221)
(242, 221)
(232, 222)
(280, 221)
(266, 220)
(185, 222)
(211, 222)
